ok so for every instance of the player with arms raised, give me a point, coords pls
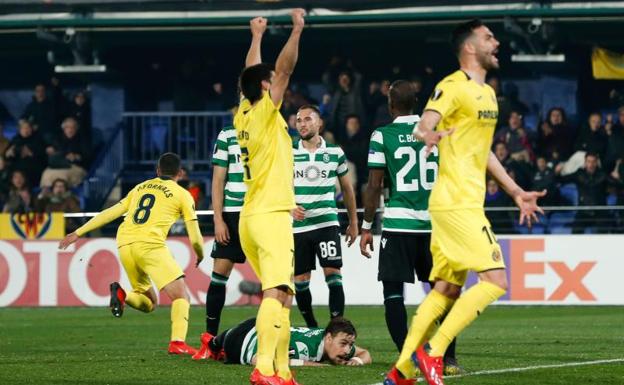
(265, 219)
(152, 207)
(460, 118)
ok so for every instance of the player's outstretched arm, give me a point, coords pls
(349, 200)
(104, 217)
(222, 233)
(257, 25)
(371, 200)
(196, 239)
(525, 200)
(287, 59)
(424, 130)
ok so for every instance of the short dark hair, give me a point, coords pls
(250, 81)
(593, 154)
(402, 96)
(169, 164)
(351, 116)
(310, 107)
(340, 325)
(61, 180)
(463, 32)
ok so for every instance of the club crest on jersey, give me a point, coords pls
(496, 256)
(326, 158)
(437, 94)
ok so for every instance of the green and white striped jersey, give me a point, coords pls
(227, 154)
(411, 175)
(315, 184)
(305, 344)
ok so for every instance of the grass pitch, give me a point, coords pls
(89, 346)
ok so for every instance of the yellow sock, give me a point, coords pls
(283, 345)
(179, 319)
(268, 325)
(434, 306)
(139, 301)
(472, 303)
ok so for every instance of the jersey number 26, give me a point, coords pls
(405, 184)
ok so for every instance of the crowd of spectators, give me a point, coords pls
(48, 155)
(53, 141)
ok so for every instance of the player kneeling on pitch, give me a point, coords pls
(152, 207)
(308, 346)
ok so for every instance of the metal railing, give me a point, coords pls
(107, 168)
(189, 134)
(504, 220)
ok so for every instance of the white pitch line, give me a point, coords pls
(527, 368)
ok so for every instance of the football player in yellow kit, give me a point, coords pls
(266, 231)
(151, 208)
(460, 118)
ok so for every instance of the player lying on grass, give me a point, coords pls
(308, 346)
(151, 208)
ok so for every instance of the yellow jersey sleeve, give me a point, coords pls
(106, 216)
(444, 98)
(188, 207)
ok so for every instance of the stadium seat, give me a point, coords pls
(570, 193)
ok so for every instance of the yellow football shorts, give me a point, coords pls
(143, 261)
(268, 243)
(462, 240)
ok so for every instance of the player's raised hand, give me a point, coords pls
(258, 25)
(68, 240)
(351, 234)
(222, 233)
(527, 202)
(366, 239)
(297, 15)
(298, 213)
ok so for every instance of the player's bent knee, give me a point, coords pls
(496, 277)
(303, 277)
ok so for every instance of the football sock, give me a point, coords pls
(179, 319)
(281, 353)
(215, 299)
(467, 308)
(336, 295)
(433, 307)
(304, 303)
(396, 315)
(450, 351)
(268, 328)
(139, 301)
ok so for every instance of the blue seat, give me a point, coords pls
(570, 193)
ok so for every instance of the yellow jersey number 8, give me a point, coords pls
(144, 209)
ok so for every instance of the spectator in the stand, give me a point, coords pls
(346, 101)
(544, 178)
(615, 142)
(507, 102)
(325, 107)
(355, 146)
(421, 96)
(41, 114)
(516, 138)
(377, 103)
(67, 156)
(4, 141)
(617, 177)
(221, 98)
(26, 152)
(19, 199)
(330, 76)
(502, 221)
(59, 199)
(521, 170)
(591, 183)
(555, 136)
(5, 179)
(592, 137)
(80, 110)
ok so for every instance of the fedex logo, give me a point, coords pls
(545, 270)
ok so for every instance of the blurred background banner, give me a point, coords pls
(32, 226)
(607, 64)
(545, 270)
